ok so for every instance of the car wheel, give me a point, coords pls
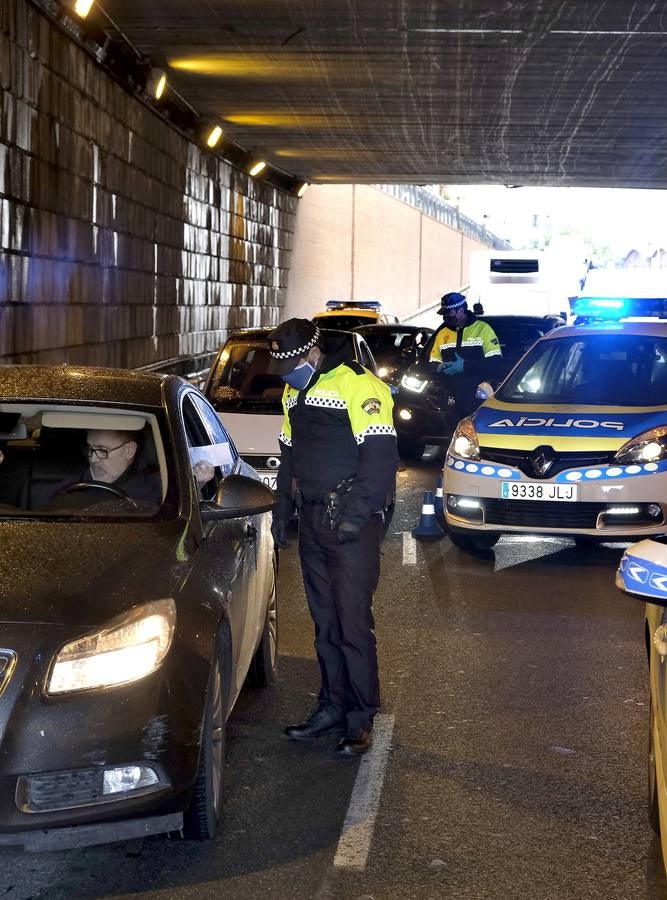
(409, 449)
(262, 671)
(653, 808)
(474, 543)
(203, 816)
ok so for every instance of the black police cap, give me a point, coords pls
(290, 341)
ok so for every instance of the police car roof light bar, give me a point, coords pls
(615, 308)
(355, 304)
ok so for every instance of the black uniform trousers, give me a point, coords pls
(340, 580)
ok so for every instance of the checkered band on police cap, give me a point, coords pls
(293, 339)
(452, 301)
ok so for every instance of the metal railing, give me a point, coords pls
(437, 208)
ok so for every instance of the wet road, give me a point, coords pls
(516, 769)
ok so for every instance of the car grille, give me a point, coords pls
(59, 790)
(542, 513)
(522, 460)
(437, 396)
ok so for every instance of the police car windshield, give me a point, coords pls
(592, 369)
(345, 321)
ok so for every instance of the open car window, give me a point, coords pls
(80, 462)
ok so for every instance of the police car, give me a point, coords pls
(574, 442)
(642, 574)
(348, 314)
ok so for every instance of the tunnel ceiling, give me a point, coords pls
(512, 91)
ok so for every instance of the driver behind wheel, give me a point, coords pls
(112, 459)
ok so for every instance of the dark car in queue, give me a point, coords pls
(129, 622)
(424, 410)
(394, 347)
(248, 395)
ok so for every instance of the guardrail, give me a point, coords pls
(439, 209)
(192, 368)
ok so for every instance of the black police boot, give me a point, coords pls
(356, 742)
(323, 721)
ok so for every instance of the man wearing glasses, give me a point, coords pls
(112, 459)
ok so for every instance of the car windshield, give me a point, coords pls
(346, 321)
(80, 462)
(387, 344)
(592, 369)
(242, 381)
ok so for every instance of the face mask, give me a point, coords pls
(298, 378)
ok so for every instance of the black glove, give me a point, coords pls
(279, 532)
(347, 532)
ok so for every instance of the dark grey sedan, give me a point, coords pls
(137, 594)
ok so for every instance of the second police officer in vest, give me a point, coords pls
(466, 352)
(338, 463)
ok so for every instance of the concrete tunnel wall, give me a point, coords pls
(355, 241)
(122, 243)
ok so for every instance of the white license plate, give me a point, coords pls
(522, 490)
(269, 478)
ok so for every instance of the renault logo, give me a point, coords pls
(273, 462)
(7, 663)
(542, 459)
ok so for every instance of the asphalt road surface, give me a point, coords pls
(511, 760)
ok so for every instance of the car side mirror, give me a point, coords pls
(238, 496)
(642, 572)
(484, 391)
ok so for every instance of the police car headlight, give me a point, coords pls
(651, 446)
(414, 384)
(464, 442)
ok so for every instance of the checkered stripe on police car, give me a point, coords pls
(374, 429)
(290, 354)
(329, 402)
(285, 440)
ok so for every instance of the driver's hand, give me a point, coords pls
(203, 472)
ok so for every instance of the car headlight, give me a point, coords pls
(651, 446)
(128, 648)
(464, 443)
(414, 384)
(385, 372)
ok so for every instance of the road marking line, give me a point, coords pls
(357, 833)
(409, 549)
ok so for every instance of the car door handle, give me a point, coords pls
(250, 534)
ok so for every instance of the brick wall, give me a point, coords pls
(121, 243)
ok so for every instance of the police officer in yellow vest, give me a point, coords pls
(466, 351)
(338, 463)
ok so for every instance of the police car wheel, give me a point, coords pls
(474, 543)
(653, 808)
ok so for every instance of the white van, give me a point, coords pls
(517, 282)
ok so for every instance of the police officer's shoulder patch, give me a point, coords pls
(372, 405)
